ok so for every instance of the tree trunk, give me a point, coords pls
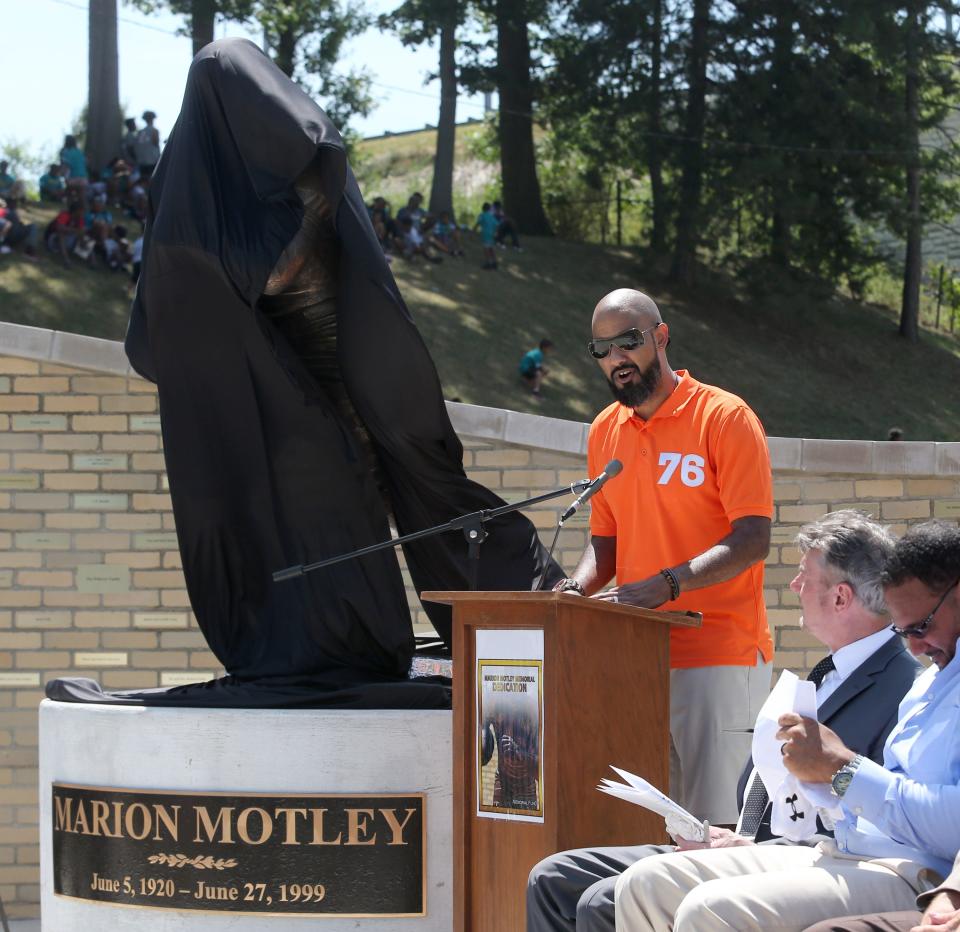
(202, 15)
(518, 165)
(441, 189)
(285, 52)
(103, 104)
(691, 149)
(658, 235)
(912, 268)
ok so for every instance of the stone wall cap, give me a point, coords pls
(65, 349)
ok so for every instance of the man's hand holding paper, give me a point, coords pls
(795, 803)
(811, 751)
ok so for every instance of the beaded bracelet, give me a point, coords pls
(671, 578)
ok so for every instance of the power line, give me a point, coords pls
(120, 19)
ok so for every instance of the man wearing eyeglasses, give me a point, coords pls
(900, 824)
(686, 526)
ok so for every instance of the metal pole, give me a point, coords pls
(619, 214)
(939, 296)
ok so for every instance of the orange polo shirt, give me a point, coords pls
(696, 466)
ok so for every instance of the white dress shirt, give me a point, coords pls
(848, 658)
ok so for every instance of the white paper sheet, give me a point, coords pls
(638, 791)
(794, 814)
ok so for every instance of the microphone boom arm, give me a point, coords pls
(471, 524)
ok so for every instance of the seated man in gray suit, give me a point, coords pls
(859, 687)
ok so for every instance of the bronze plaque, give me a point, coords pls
(333, 854)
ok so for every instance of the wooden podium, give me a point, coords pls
(605, 700)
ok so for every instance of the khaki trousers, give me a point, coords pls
(712, 711)
(757, 888)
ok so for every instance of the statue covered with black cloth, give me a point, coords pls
(300, 409)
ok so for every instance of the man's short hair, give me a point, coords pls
(855, 548)
(546, 344)
(929, 552)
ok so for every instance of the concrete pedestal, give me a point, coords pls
(202, 750)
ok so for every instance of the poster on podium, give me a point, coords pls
(509, 768)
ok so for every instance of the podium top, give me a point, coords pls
(684, 619)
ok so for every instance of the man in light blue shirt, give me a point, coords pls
(900, 827)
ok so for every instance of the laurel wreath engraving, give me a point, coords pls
(200, 863)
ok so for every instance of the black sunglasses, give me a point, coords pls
(628, 340)
(918, 630)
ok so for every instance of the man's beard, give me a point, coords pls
(636, 393)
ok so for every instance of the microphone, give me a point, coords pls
(609, 471)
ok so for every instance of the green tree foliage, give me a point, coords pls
(200, 15)
(305, 38)
(605, 97)
(783, 128)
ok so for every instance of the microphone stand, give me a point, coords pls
(472, 525)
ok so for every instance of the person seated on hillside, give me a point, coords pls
(75, 163)
(137, 201)
(117, 178)
(99, 219)
(413, 242)
(505, 228)
(99, 223)
(428, 229)
(383, 224)
(414, 209)
(448, 233)
(52, 185)
(6, 179)
(96, 185)
(14, 231)
(531, 366)
(66, 233)
(116, 248)
(487, 224)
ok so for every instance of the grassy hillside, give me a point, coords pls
(810, 363)
(395, 166)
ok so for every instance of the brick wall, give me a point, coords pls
(90, 579)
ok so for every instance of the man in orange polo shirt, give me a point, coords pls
(686, 525)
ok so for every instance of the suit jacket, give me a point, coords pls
(862, 711)
(951, 884)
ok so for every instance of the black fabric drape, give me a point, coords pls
(264, 470)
